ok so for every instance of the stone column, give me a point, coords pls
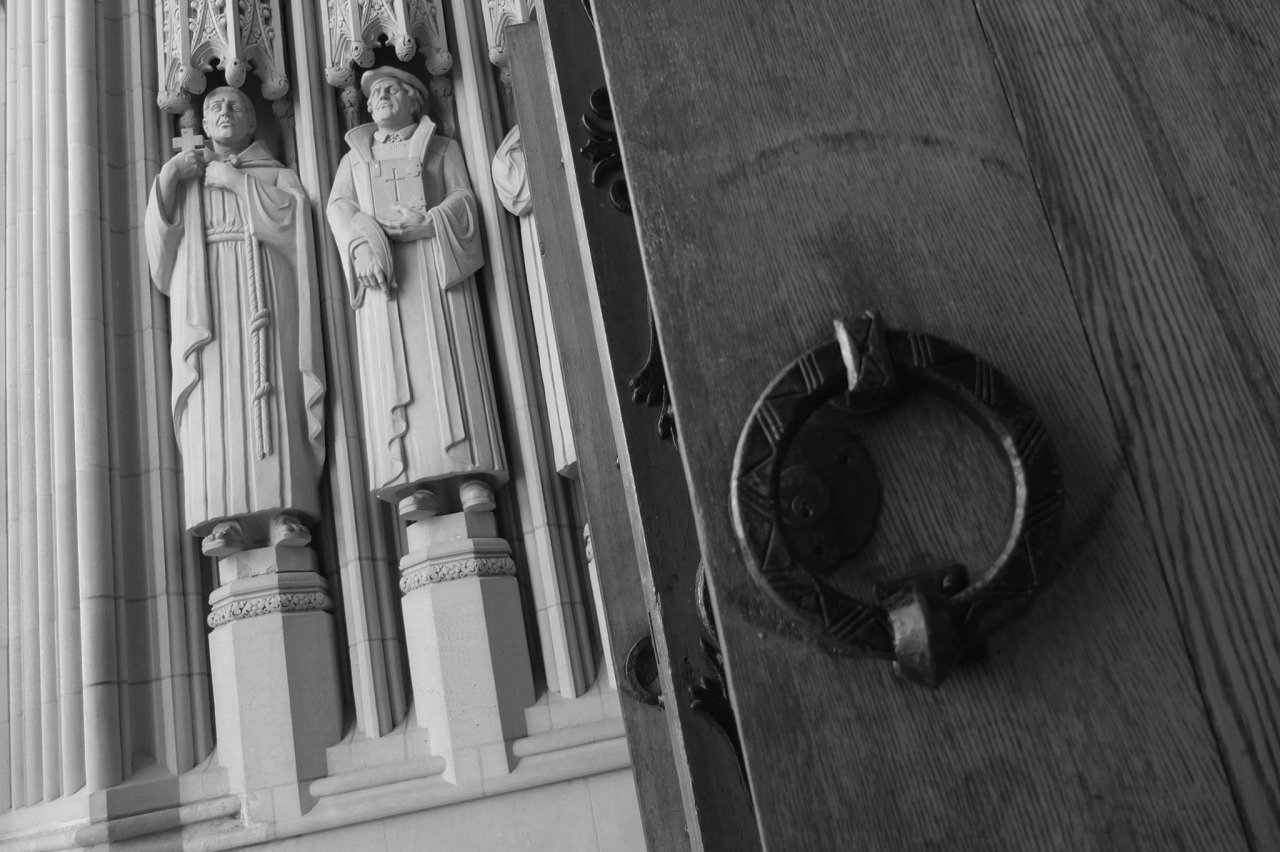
(276, 692)
(94, 537)
(71, 723)
(30, 738)
(464, 628)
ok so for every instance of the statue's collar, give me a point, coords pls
(255, 154)
(361, 138)
(400, 134)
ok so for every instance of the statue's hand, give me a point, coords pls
(222, 175)
(411, 225)
(186, 165)
(369, 269)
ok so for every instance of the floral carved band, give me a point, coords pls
(482, 566)
(267, 604)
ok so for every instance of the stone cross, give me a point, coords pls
(188, 140)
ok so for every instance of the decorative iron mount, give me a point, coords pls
(933, 620)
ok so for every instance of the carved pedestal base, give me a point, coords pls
(466, 641)
(275, 676)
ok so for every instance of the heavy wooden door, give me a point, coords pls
(1084, 193)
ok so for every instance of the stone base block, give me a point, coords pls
(464, 627)
(272, 559)
(276, 693)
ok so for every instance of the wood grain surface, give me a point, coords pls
(642, 525)
(625, 601)
(803, 163)
(1151, 129)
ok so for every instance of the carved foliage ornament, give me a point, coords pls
(498, 15)
(354, 28)
(490, 566)
(235, 35)
(285, 602)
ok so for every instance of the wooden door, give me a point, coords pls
(1084, 193)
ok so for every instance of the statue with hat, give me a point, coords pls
(404, 216)
(229, 238)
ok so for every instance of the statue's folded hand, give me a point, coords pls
(221, 174)
(409, 226)
(185, 165)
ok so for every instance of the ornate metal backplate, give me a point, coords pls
(929, 622)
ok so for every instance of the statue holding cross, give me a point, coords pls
(404, 217)
(229, 237)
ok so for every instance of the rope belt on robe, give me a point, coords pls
(259, 325)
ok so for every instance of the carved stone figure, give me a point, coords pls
(511, 180)
(229, 236)
(404, 217)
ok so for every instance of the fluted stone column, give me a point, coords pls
(94, 535)
(62, 418)
(29, 740)
(46, 557)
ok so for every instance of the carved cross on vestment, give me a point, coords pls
(411, 171)
(396, 183)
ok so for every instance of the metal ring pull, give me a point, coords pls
(927, 622)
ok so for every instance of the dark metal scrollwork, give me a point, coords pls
(640, 671)
(604, 150)
(649, 386)
(933, 620)
(711, 694)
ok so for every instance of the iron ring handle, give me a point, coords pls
(928, 622)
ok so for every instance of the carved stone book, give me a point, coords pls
(396, 177)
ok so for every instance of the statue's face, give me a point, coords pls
(227, 118)
(391, 103)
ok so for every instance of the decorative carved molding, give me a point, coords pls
(498, 15)
(283, 110)
(237, 35)
(355, 28)
(286, 602)
(484, 566)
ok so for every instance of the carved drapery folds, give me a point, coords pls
(236, 36)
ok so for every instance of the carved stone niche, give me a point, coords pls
(498, 15)
(234, 36)
(354, 29)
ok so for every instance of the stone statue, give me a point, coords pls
(229, 237)
(404, 217)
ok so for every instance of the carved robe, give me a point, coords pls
(248, 368)
(511, 180)
(428, 402)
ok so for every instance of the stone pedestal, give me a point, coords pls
(275, 674)
(468, 652)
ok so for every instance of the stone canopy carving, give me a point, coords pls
(229, 239)
(237, 35)
(404, 217)
(354, 28)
